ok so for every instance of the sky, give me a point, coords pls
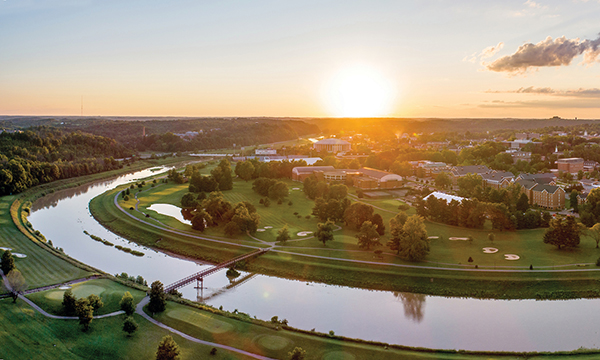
(429, 58)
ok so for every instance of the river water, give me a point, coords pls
(397, 318)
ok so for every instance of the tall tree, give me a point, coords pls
(95, 301)
(129, 325)
(297, 354)
(324, 232)
(563, 232)
(397, 231)
(594, 233)
(8, 262)
(158, 298)
(167, 349)
(573, 200)
(443, 180)
(244, 169)
(283, 234)
(127, 304)
(414, 245)
(17, 283)
(523, 203)
(357, 213)
(85, 312)
(377, 220)
(68, 302)
(368, 236)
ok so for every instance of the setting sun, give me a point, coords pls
(359, 91)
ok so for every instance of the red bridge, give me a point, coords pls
(202, 274)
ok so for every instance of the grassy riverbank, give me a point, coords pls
(447, 270)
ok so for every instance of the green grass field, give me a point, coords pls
(109, 291)
(40, 267)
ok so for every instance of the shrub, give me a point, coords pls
(307, 217)
(279, 202)
(261, 201)
(126, 198)
(290, 203)
(213, 351)
(470, 259)
(131, 208)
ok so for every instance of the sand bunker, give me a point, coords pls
(295, 188)
(21, 256)
(433, 237)
(260, 230)
(457, 238)
(5, 249)
(511, 257)
(268, 227)
(489, 250)
(304, 233)
(65, 287)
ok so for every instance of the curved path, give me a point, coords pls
(140, 311)
(274, 247)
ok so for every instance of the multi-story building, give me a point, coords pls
(497, 179)
(570, 165)
(332, 145)
(543, 195)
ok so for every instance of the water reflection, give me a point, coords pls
(414, 305)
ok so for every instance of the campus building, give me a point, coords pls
(332, 145)
(544, 195)
(570, 165)
(497, 179)
(363, 178)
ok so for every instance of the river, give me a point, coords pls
(396, 318)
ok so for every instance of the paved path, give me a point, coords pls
(140, 311)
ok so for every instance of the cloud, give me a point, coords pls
(558, 52)
(491, 51)
(571, 103)
(579, 93)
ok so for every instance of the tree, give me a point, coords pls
(573, 200)
(283, 234)
(127, 303)
(377, 220)
(443, 180)
(357, 213)
(594, 233)
(8, 262)
(189, 201)
(368, 236)
(222, 175)
(563, 232)
(244, 169)
(158, 298)
(491, 237)
(324, 232)
(397, 231)
(466, 184)
(337, 191)
(297, 354)
(69, 302)
(17, 283)
(200, 220)
(129, 325)
(523, 203)
(85, 312)
(414, 245)
(95, 301)
(167, 349)
(278, 191)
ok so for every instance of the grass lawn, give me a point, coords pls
(25, 334)
(40, 267)
(109, 291)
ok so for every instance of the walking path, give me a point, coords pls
(140, 311)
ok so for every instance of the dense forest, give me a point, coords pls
(41, 155)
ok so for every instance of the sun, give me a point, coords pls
(359, 91)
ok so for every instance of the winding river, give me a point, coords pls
(397, 318)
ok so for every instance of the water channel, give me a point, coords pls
(398, 318)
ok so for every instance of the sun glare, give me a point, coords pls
(359, 91)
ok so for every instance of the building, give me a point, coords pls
(519, 155)
(543, 195)
(548, 196)
(443, 196)
(460, 171)
(430, 168)
(528, 136)
(542, 178)
(364, 178)
(582, 198)
(265, 152)
(570, 165)
(299, 173)
(332, 145)
(498, 179)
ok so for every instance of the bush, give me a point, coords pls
(279, 202)
(307, 217)
(131, 208)
(470, 259)
(290, 203)
(598, 262)
(126, 198)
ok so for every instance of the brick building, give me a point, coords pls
(570, 165)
